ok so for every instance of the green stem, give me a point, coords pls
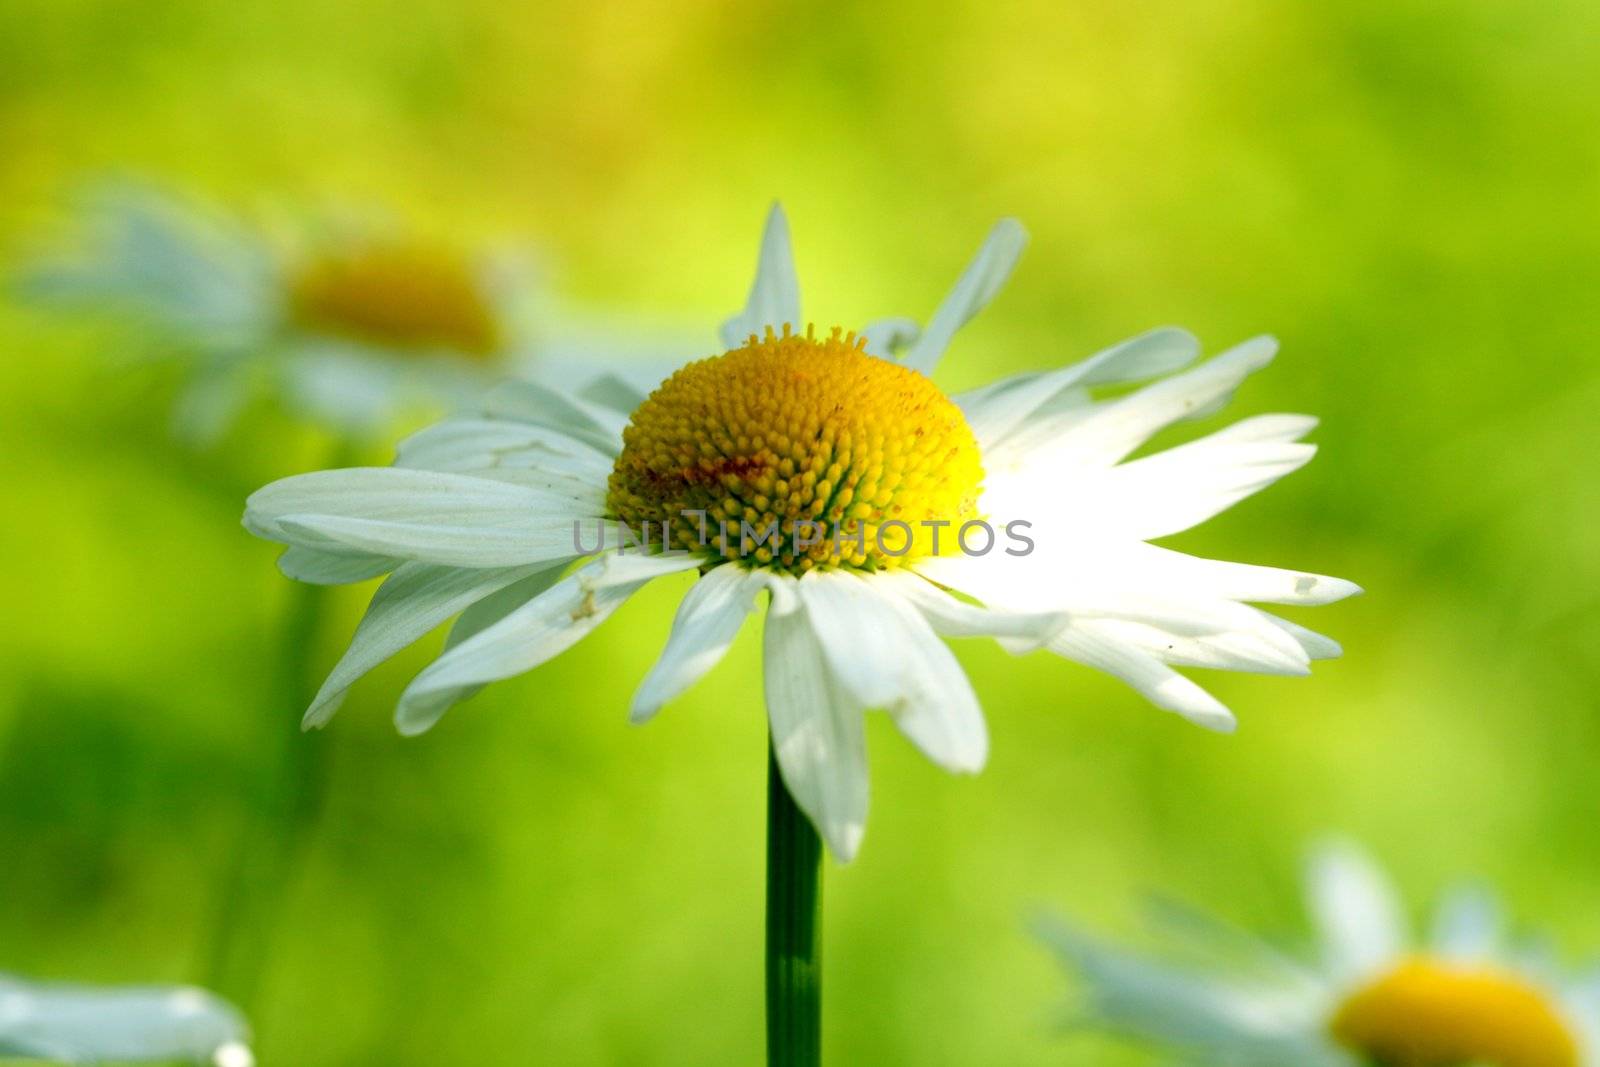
(256, 884)
(794, 904)
(252, 892)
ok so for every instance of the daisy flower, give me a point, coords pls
(350, 328)
(901, 516)
(85, 1024)
(876, 514)
(1368, 995)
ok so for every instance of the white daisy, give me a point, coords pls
(840, 436)
(1368, 996)
(87, 1024)
(351, 326)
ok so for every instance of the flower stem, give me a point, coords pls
(255, 885)
(255, 882)
(794, 904)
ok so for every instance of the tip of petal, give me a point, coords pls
(1010, 230)
(1319, 589)
(642, 712)
(1257, 352)
(408, 722)
(975, 765)
(322, 709)
(1224, 723)
(776, 216)
(845, 841)
(1335, 860)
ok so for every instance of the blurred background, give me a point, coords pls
(1406, 193)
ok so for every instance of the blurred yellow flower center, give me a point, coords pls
(1429, 1013)
(396, 295)
(806, 452)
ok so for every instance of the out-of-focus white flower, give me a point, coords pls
(352, 326)
(92, 1024)
(1368, 995)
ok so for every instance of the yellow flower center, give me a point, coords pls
(1429, 1013)
(396, 295)
(800, 453)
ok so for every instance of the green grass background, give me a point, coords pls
(1406, 193)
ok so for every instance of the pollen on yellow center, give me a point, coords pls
(812, 439)
(403, 296)
(1430, 1013)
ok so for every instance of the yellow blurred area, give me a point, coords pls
(1404, 192)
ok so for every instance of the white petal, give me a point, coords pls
(978, 285)
(529, 541)
(604, 362)
(1009, 410)
(1183, 928)
(1118, 427)
(1469, 925)
(951, 617)
(886, 337)
(1184, 594)
(476, 444)
(337, 567)
(1056, 576)
(1355, 910)
(86, 1024)
(344, 386)
(818, 733)
(1239, 581)
(612, 390)
(1316, 645)
(145, 252)
(1158, 683)
(1171, 491)
(477, 618)
(885, 655)
(415, 599)
(775, 295)
(421, 515)
(210, 403)
(1254, 651)
(706, 624)
(396, 494)
(1178, 612)
(508, 450)
(1213, 1017)
(544, 627)
(598, 426)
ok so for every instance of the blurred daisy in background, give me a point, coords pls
(65, 1023)
(845, 435)
(357, 325)
(1368, 995)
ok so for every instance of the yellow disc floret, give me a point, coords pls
(794, 452)
(1430, 1013)
(404, 296)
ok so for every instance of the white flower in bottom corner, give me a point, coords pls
(878, 515)
(1370, 996)
(98, 1024)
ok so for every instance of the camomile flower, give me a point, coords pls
(351, 327)
(877, 515)
(87, 1024)
(1368, 995)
